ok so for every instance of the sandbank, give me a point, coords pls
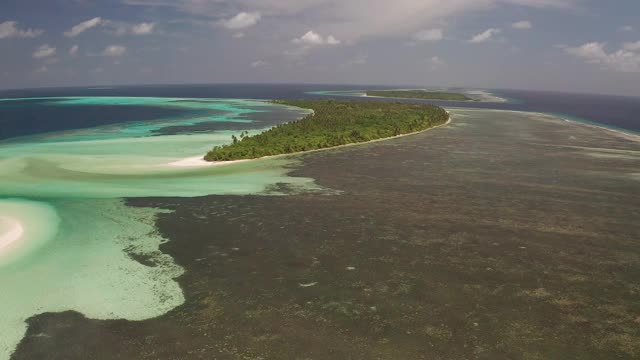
(11, 231)
(199, 161)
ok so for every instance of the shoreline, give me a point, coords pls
(626, 133)
(199, 162)
(10, 237)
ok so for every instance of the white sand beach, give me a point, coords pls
(199, 161)
(11, 231)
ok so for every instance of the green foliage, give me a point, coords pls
(333, 123)
(419, 94)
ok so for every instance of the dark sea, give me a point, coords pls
(23, 118)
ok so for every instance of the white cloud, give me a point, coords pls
(485, 36)
(120, 28)
(258, 63)
(73, 51)
(311, 38)
(114, 50)
(238, 35)
(522, 25)
(143, 28)
(625, 28)
(635, 46)
(429, 35)
(241, 21)
(594, 51)
(9, 29)
(44, 51)
(349, 20)
(332, 41)
(622, 60)
(83, 26)
(42, 69)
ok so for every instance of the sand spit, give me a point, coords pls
(11, 231)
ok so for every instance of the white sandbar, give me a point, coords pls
(11, 231)
(199, 161)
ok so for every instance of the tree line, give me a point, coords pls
(332, 123)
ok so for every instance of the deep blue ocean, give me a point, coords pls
(27, 118)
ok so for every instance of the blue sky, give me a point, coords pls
(565, 45)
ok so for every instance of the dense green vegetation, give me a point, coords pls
(419, 94)
(334, 123)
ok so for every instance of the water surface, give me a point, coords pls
(82, 247)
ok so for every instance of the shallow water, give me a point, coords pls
(80, 240)
(82, 262)
(33, 223)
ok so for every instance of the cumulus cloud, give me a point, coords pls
(632, 46)
(429, 35)
(241, 21)
(83, 26)
(594, 51)
(311, 38)
(120, 28)
(353, 19)
(625, 28)
(623, 60)
(485, 36)
(258, 63)
(143, 28)
(522, 25)
(41, 69)
(332, 41)
(73, 51)
(44, 51)
(114, 50)
(9, 29)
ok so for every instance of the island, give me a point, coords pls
(419, 94)
(332, 123)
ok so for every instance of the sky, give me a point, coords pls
(588, 46)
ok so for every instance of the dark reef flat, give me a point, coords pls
(496, 237)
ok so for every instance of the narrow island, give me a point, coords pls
(332, 123)
(419, 94)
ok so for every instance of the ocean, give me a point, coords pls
(618, 112)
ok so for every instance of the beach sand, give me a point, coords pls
(199, 161)
(11, 231)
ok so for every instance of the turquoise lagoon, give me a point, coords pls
(61, 197)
